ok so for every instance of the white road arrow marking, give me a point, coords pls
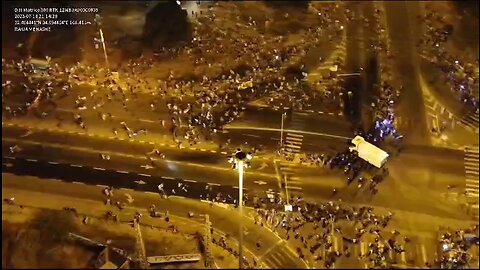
(140, 182)
(260, 182)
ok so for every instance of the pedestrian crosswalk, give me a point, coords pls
(470, 121)
(293, 143)
(471, 171)
(279, 257)
(291, 183)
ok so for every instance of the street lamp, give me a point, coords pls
(98, 21)
(240, 160)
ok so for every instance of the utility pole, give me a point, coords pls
(141, 254)
(208, 242)
(98, 21)
(240, 161)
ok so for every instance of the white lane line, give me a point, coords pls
(213, 184)
(294, 188)
(122, 171)
(213, 151)
(99, 169)
(80, 183)
(146, 175)
(223, 152)
(102, 186)
(251, 135)
(203, 150)
(151, 193)
(167, 177)
(188, 180)
(10, 157)
(56, 180)
(175, 196)
(127, 189)
(53, 162)
(75, 165)
(31, 160)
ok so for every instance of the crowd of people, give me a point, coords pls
(230, 69)
(455, 248)
(314, 225)
(460, 71)
(387, 91)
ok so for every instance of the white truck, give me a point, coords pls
(369, 152)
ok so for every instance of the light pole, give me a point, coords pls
(240, 160)
(98, 21)
(281, 131)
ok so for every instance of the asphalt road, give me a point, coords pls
(223, 220)
(400, 27)
(430, 174)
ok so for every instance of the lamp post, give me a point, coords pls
(240, 160)
(98, 21)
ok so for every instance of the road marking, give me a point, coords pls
(80, 183)
(151, 193)
(251, 135)
(270, 249)
(56, 180)
(175, 196)
(223, 152)
(203, 150)
(294, 188)
(212, 184)
(146, 175)
(75, 165)
(10, 157)
(294, 138)
(290, 145)
(53, 162)
(102, 186)
(188, 180)
(122, 171)
(31, 160)
(168, 177)
(127, 189)
(97, 168)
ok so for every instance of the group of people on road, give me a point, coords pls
(315, 227)
(460, 71)
(455, 248)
